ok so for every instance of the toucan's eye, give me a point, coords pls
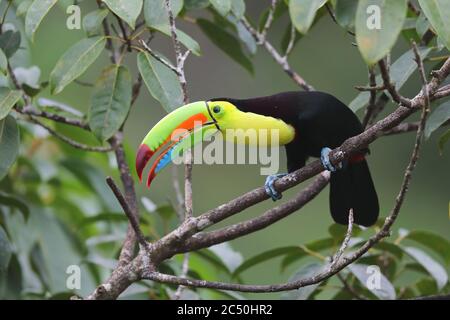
(216, 109)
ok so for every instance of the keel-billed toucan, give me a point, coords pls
(309, 124)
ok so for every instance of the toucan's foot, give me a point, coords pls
(325, 158)
(270, 190)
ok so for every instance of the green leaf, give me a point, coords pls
(162, 82)
(166, 212)
(400, 72)
(8, 99)
(226, 42)
(432, 266)
(9, 144)
(5, 251)
(93, 178)
(110, 101)
(230, 257)
(35, 14)
(438, 13)
(392, 248)
(10, 42)
(195, 4)
(311, 247)
(433, 241)
(75, 61)
(367, 277)
(13, 201)
(221, 6)
(238, 8)
(437, 118)
(443, 140)
(23, 7)
(346, 12)
(264, 256)
(104, 217)
(3, 63)
(427, 287)
(127, 10)
(287, 38)
(303, 12)
(156, 17)
(155, 13)
(92, 22)
(305, 292)
(375, 41)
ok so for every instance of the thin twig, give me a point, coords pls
(268, 23)
(344, 244)
(128, 211)
(373, 96)
(158, 57)
(69, 141)
(281, 60)
(396, 96)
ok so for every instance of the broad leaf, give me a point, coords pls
(263, 257)
(221, 6)
(5, 250)
(226, 42)
(376, 282)
(23, 7)
(303, 12)
(10, 42)
(238, 8)
(110, 101)
(14, 202)
(303, 293)
(3, 62)
(92, 22)
(443, 141)
(156, 17)
(75, 61)
(346, 12)
(438, 13)
(432, 266)
(433, 241)
(195, 4)
(9, 144)
(162, 82)
(310, 248)
(437, 118)
(400, 72)
(35, 14)
(378, 24)
(230, 257)
(155, 12)
(8, 99)
(127, 10)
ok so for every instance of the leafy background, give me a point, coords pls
(56, 210)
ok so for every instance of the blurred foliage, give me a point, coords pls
(55, 208)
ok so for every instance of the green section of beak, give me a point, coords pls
(196, 137)
(180, 130)
(183, 118)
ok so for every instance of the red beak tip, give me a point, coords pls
(143, 156)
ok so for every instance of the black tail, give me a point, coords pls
(352, 187)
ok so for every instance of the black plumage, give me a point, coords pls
(321, 120)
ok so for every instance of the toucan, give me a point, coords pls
(309, 124)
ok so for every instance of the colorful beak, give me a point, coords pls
(177, 131)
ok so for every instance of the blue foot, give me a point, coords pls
(268, 185)
(324, 157)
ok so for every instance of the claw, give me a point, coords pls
(268, 186)
(325, 158)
